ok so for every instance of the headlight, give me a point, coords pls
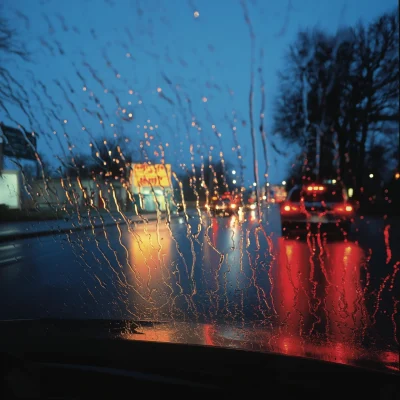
(233, 205)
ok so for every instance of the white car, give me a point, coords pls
(316, 205)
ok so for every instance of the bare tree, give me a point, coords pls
(11, 47)
(336, 92)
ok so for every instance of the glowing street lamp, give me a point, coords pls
(233, 172)
(371, 175)
(283, 183)
(254, 184)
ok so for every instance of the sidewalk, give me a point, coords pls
(25, 229)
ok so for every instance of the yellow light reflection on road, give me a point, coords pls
(150, 254)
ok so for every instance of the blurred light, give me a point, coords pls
(333, 181)
(283, 183)
(252, 207)
(130, 115)
(287, 208)
(264, 197)
(196, 14)
(397, 175)
(267, 183)
(234, 181)
(321, 188)
(159, 90)
(350, 192)
(254, 184)
(233, 205)
(233, 172)
(349, 208)
(371, 175)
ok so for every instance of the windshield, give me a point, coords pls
(124, 124)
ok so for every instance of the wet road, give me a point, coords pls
(230, 270)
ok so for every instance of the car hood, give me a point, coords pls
(251, 338)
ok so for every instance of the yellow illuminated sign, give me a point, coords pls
(155, 175)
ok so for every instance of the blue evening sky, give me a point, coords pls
(159, 60)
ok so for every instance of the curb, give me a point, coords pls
(27, 235)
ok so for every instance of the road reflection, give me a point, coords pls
(300, 297)
(149, 269)
(317, 291)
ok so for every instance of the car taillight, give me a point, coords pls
(343, 209)
(288, 208)
(315, 188)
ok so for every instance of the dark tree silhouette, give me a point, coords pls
(336, 92)
(11, 47)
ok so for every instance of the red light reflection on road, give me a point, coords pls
(214, 226)
(324, 302)
(345, 303)
(289, 291)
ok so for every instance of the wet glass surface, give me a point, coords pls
(147, 152)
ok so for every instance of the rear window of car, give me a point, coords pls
(330, 195)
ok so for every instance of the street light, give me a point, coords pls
(254, 184)
(397, 175)
(267, 183)
(234, 181)
(371, 175)
(283, 183)
(233, 172)
(333, 181)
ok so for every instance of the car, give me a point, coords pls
(251, 205)
(224, 207)
(179, 207)
(321, 206)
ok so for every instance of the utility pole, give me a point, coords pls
(1, 150)
(1, 154)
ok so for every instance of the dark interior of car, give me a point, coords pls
(74, 368)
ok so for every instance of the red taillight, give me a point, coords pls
(290, 208)
(315, 188)
(343, 209)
